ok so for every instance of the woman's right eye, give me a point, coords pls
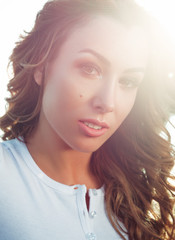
(91, 70)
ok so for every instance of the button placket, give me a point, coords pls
(84, 214)
(93, 195)
(94, 191)
(90, 236)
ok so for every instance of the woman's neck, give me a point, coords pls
(61, 163)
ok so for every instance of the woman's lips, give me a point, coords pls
(92, 127)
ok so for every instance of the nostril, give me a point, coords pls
(101, 106)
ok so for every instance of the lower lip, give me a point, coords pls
(91, 132)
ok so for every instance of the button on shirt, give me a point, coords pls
(34, 206)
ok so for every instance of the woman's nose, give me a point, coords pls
(104, 100)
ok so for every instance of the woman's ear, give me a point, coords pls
(38, 75)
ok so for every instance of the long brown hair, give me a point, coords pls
(139, 155)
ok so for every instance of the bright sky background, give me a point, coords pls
(19, 15)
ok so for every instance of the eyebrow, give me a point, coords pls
(96, 54)
(107, 62)
(132, 70)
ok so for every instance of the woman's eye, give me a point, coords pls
(129, 82)
(91, 70)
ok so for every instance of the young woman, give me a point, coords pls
(86, 154)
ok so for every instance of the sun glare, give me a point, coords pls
(163, 10)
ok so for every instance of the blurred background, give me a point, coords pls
(19, 15)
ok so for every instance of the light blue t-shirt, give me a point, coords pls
(34, 206)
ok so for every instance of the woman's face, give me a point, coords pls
(92, 84)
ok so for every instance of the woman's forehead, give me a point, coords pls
(109, 38)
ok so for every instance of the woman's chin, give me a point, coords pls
(86, 148)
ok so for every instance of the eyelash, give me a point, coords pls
(129, 83)
(85, 70)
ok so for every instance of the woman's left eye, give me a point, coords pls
(129, 82)
(91, 70)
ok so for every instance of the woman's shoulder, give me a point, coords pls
(6, 144)
(7, 148)
(3, 149)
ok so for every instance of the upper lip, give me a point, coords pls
(95, 122)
